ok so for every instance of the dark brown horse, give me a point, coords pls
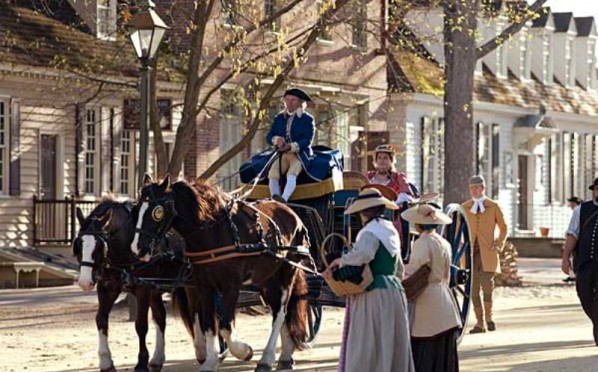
(212, 225)
(103, 250)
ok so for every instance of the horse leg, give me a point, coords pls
(142, 294)
(239, 349)
(209, 325)
(294, 332)
(278, 307)
(159, 316)
(106, 298)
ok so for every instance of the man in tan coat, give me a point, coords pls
(484, 216)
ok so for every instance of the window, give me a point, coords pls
(591, 63)
(270, 7)
(4, 126)
(359, 25)
(126, 156)
(323, 128)
(229, 13)
(91, 151)
(488, 156)
(326, 34)
(555, 157)
(106, 22)
(432, 177)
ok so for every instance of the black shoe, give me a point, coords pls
(278, 198)
(568, 279)
(491, 326)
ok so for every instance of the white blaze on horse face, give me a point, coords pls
(135, 243)
(88, 244)
(269, 355)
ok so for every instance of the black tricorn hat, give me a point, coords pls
(594, 184)
(298, 93)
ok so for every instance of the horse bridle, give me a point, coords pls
(102, 238)
(165, 224)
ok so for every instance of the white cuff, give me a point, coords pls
(294, 147)
(275, 139)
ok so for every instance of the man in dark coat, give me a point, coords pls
(292, 132)
(582, 236)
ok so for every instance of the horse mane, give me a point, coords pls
(206, 200)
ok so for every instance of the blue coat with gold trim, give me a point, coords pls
(302, 133)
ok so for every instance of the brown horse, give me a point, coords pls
(216, 229)
(103, 250)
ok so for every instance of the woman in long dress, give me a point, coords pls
(436, 321)
(377, 337)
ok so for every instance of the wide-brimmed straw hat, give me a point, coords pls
(386, 191)
(425, 214)
(369, 198)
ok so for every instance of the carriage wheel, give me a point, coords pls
(314, 321)
(458, 235)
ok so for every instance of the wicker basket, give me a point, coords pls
(344, 288)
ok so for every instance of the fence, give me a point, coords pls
(55, 221)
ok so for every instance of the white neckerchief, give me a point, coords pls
(385, 231)
(478, 204)
(298, 113)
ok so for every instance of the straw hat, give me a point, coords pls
(477, 180)
(389, 149)
(369, 198)
(425, 214)
(386, 191)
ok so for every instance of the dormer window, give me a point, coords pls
(106, 19)
(569, 72)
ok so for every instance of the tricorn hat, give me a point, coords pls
(298, 93)
(369, 198)
(386, 191)
(594, 184)
(426, 214)
(477, 180)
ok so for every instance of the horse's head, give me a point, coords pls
(90, 246)
(156, 213)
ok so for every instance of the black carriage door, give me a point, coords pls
(48, 165)
(523, 199)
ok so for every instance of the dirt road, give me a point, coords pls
(540, 328)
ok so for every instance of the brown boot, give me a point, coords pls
(479, 326)
(488, 310)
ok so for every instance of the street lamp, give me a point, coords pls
(146, 30)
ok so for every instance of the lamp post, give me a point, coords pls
(146, 30)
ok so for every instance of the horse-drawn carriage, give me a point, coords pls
(240, 254)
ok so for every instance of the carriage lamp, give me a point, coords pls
(146, 31)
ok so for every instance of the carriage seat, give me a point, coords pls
(326, 166)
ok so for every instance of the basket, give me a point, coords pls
(415, 283)
(344, 288)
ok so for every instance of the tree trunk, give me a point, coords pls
(159, 147)
(460, 24)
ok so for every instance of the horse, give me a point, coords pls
(102, 248)
(225, 240)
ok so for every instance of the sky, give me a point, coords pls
(579, 8)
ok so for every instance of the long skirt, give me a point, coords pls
(437, 353)
(378, 333)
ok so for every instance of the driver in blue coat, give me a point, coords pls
(292, 132)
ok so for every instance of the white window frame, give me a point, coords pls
(432, 132)
(127, 163)
(93, 168)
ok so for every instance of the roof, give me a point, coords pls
(542, 20)
(60, 10)
(585, 26)
(563, 21)
(30, 38)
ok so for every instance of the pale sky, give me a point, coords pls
(579, 8)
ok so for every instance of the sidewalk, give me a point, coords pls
(541, 271)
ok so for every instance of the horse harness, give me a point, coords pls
(239, 249)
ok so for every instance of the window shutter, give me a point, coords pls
(15, 149)
(79, 149)
(495, 160)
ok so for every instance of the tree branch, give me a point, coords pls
(494, 43)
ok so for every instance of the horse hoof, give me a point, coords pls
(223, 355)
(109, 369)
(285, 364)
(249, 355)
(263, 368)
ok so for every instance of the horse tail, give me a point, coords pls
(182, 307)
(296, 319)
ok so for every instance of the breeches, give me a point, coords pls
(481, 280)
(288, 162)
